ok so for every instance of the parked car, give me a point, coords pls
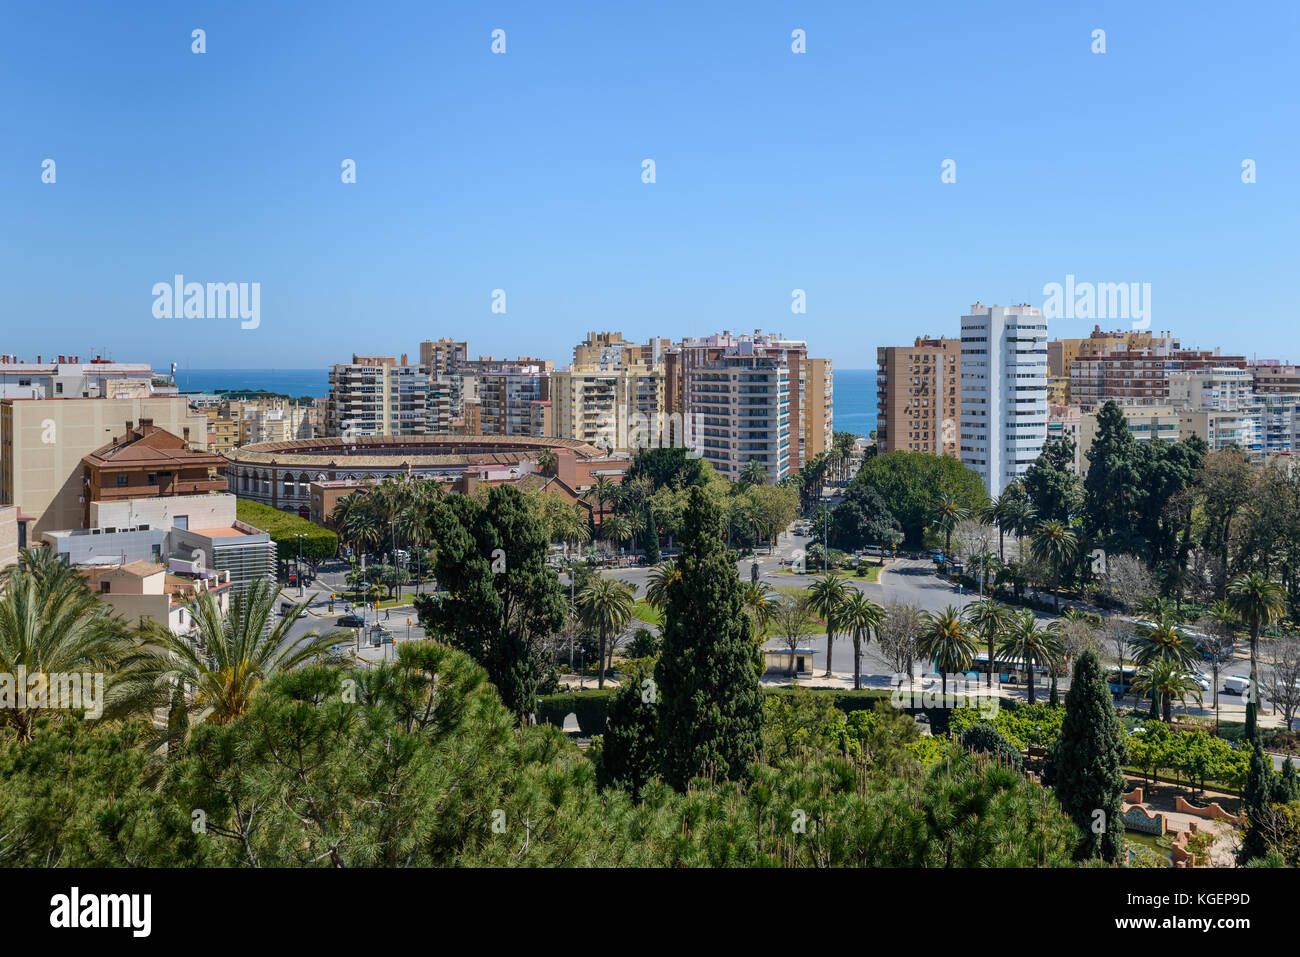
(351, 621)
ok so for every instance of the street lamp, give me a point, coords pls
(300, 536)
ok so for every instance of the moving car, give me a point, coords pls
(351, 621)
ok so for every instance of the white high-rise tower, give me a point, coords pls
(1003, 391)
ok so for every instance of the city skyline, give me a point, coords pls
(775, 171)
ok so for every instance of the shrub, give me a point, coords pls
(984, 737)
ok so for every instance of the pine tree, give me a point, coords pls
(1256, 797)
(710, 712)
(1087, 762)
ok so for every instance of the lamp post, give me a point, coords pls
(300, 536)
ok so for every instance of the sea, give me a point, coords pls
(855, 389)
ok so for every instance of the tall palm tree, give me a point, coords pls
(52, 624)
(948, 512)
(661, 576)
(220, 665)
(861, 617)
(827, 596)
(1055, 545)
(990, 619)
(759, 603)
(1165, 680)
(1020, 519)
(1033, 644)
(605, 491)
(946, 639)
(1257, 602)
(605, 606)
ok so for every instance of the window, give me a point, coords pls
(121, 481)
(153, 478)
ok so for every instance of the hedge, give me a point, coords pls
(318, 545)
(591, 707)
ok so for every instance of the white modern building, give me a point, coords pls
(1003, 391)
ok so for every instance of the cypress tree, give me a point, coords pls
(627, 758)
(710, 710)
(651, 536)
(1286, 787)
(1087, 762)
(1256, 797)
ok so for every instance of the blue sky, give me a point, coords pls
(522, 171)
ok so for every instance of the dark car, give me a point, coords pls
(351, 621)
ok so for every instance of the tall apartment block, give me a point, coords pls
(686, 360)
(918, 393)
(507, 392)
(610, 396)
(740, 409)
(441, 356)
(377, 395)
(817, 408)
(1003, 391)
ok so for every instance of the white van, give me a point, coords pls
(1236, 684)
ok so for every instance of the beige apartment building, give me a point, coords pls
(918, 392)
(442, 356)
(611, 397)
(817, 401)
(42, 443)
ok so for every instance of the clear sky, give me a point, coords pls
(523, 172)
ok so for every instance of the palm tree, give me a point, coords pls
(827, 597)
(1164, 640)
(1031, 643)
(661, 577)
(1020, 519)
(861, 617)
(605, 491)
(1164, 680)
(948, 512)
(616, 528)
(547, 461)
(221, 664)
(1055, 545)
(52, 624)
(1257, 602)
(605, 606)
(989, 618)
(946, 639)
(759, 602)
(754, 472)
